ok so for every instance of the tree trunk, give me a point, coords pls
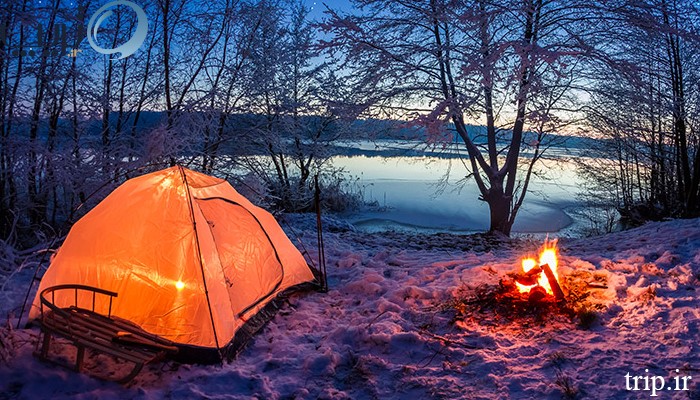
(37, 207)
(499, 209)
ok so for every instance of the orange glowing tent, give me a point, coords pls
(190, 258)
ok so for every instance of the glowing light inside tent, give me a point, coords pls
(167, 182)
(180, 285)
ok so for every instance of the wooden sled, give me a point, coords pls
(87, 329)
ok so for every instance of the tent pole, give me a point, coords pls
(199, 255)
(319, 236)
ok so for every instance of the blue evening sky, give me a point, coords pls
(317, 7)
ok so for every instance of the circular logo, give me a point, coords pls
(134, 42)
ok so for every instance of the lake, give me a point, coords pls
(431, 194)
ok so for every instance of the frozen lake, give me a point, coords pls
(432, 194)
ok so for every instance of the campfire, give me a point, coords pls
(540, 278)
(533, 294)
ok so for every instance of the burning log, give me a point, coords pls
(529, 278)
(537, 295)
(553, 283)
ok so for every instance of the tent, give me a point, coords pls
(189, 257)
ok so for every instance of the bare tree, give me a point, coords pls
(301, 106)
(653, 134)
(470, 61)
(227, 89)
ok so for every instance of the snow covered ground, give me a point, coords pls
(381, 331)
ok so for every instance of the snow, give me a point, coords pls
(382, 330)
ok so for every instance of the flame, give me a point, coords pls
(548, 255)
(528, 264)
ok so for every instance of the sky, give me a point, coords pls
(318, 7)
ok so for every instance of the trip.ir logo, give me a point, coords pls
(59, 44)
(655, 383)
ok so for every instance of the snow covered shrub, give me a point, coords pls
(341, 193)
(598, 219)
(7, 345)
(253, 189)
(163, 144)
(9, 265)
(567, 386)
(586, 318)
(338, 193)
